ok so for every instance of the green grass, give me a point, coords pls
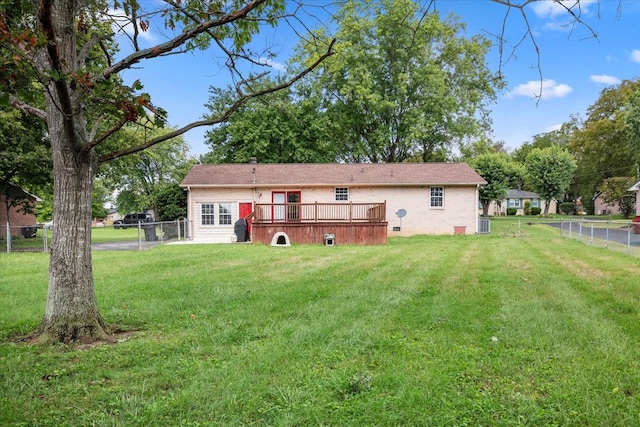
(520, 327)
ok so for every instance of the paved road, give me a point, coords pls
(619, 235)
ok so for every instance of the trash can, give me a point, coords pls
(29, 231)
(149, 232)
(241, 229)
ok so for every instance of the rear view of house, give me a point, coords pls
(309, 203)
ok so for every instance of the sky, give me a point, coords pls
(575, 63)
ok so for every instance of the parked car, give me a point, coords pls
(131, 220)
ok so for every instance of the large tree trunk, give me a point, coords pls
(71, 313)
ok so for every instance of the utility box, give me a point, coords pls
(329, 239)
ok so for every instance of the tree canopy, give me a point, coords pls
(500, 172)
(550, 171)
(284, 127)
(403, 83)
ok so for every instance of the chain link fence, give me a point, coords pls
(37, 238)
(622, 235)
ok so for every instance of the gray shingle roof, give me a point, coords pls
(319, 174)
(521, 194)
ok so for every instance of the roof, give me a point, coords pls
(331, 174)
(521, 194)
(16, 193)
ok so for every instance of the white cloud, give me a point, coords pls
(273, 64)
(604, 79)
(553, 128)
(635, 55)
(545, 89)
(121, 24)
(552, 9)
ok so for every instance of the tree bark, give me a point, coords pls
(71, 313)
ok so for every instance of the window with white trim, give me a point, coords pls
(535, 203)
(208, 214)
(342, 194)
(514, 203)
(216, 214)
(437, 197)
(224, 213)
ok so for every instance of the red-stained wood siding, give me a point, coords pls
(313, 233)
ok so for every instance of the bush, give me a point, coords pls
(566, 207)
(527, 207)
(535, 211)
(511, 211)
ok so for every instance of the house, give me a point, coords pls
(636, 188)
(14, 215)
(321, 203)
(516, 199)
(600, 207)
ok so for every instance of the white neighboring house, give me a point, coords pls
(358, 203)
(636, 188)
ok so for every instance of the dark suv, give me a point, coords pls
(132, 219)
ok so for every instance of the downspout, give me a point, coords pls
(190, 215)
(476, 208)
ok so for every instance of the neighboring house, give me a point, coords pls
(636, 188)
(113, 215)
(600, 207)
(15, 216)
(355, 203)
(516, 199)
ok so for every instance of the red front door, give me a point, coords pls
(245, 210)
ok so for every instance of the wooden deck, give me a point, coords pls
(308, 223)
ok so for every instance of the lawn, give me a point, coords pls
(520, 327)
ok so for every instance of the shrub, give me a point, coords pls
(511, 211)
(566, 207)
(527, 207)
(536, 211)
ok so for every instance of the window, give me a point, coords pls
(437, 197)
(216, 213)
(208, 214)
(535, 203)
(224, 214)
(514, 203)
(342, 194)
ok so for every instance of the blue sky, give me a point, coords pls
(575, 67)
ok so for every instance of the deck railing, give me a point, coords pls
(319, 212)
